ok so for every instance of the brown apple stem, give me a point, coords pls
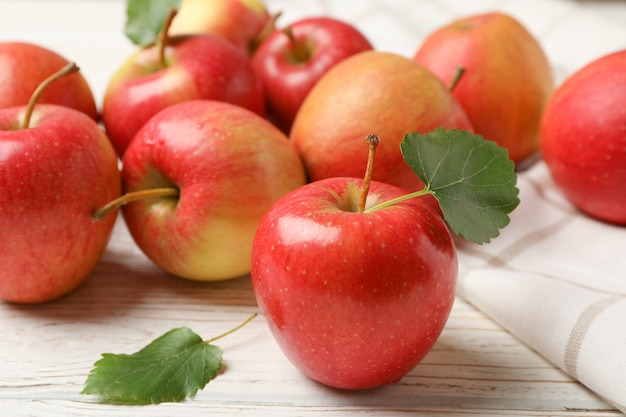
(299, 50)
(101, 213)
(458, 74)
(67, 69)
(269, 27)
(163, 35)
(372, 143)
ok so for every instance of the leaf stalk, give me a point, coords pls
(400, 199)
(233, 330)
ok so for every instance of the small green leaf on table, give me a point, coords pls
(473, 180)
(171, 368)
(145, 19)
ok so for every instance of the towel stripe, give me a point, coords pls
(582, 326)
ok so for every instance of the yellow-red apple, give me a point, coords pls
(238, 21)
(371, 92)
(507, 79)
(193, 67)
(229, 166)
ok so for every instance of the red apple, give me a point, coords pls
(583, 138)
(292, 60)
(371, 92)
(355, 300)
(507, 79)
(56, 168)
(196, 67)
(24, 66)
(228, 165)
(238, 21)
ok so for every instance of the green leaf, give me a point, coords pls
(473, 180)
(171, 368)
(145, 19)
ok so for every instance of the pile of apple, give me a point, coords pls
(220, 122)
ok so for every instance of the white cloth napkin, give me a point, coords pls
(556, 279)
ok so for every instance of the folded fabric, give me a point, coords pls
(556, 279)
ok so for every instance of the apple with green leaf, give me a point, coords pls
(210, 169)
(371, 92)
(507, 79)
(174, 70)
(583, 138)
(238, 21)
(290, 61)
(57, 167)
(356, 278)
(24, 66)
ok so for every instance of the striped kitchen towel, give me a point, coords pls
(556, 279)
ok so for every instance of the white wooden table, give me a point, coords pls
(46, 351)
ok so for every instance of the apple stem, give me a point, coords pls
(300, 52)
(458, 74)
(101, 213)
(233, 330)
(372, 142)
(269, 27)
(30, 108)
(163, 35)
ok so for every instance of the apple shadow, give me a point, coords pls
(119, 288)
(456, 374)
